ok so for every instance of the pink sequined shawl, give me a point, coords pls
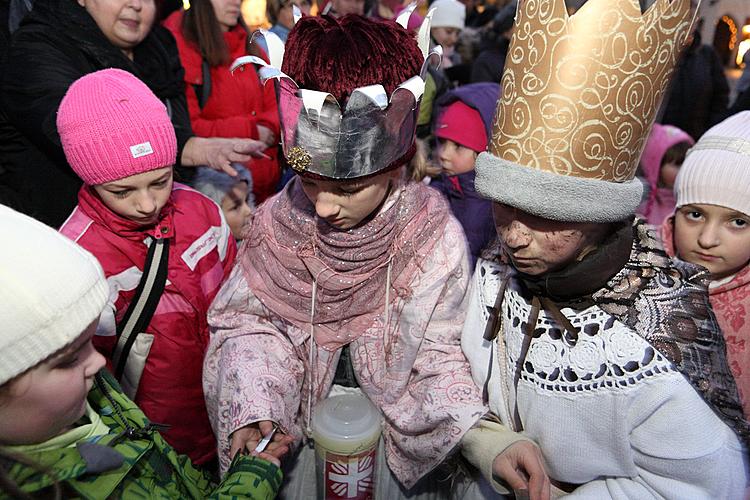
(301, 267)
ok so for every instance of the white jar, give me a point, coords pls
(346, 430)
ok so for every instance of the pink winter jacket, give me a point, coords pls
(201, 254)
(413, 368)
(731, 304)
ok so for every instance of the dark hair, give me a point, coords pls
(201, 27)
(273, 7)
(676, 153)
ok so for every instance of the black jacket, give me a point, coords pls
(699, 92)
(58, 43)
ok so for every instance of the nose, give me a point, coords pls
(145, 204)
(326, 208)
(709, 236)
(136, 4)
(516, 235)
(443, 153)
(95, 362)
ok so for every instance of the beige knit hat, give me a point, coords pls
(50, 291)
(448, 14)
(716, 170)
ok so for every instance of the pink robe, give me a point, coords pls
(411, 367)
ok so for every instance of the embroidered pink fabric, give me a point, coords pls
(409, 362)
(294, 247)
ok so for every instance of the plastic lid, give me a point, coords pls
(346, 422)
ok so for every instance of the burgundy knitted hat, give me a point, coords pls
(339, 55)
(112, 126)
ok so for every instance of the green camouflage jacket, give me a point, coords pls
(134, 461)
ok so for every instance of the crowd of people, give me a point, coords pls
(536, 270)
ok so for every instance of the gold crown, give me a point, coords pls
(580, 92)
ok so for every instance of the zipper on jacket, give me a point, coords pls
(129, 432)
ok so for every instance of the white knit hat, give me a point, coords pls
(50, 291)
(448, 14)
(716, 170)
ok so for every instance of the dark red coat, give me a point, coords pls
(237, 105)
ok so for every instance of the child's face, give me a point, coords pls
(454, 158)
(139, 197)
(235, 208)
(345, 205)
(668, 174)
(536, 246)
(48, 399)
(717, 238)
(447, 37)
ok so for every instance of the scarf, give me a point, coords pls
(310, 273)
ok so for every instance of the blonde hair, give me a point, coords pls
(420, 165)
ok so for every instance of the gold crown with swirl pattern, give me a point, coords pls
(579, 95)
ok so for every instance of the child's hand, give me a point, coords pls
(521, 465)
(248, 437)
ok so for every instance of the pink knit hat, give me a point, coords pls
(463, 125)
(112, 126)
(716, 170)
(661, 138)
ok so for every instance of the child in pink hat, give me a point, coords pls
(118, 138)
(462, 129)
(664, 153)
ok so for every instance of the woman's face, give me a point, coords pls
(227, 13)
(345, 204)
(125, 23)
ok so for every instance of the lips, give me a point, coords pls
(706, 257)
(131, 23)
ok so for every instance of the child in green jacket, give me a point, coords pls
(66, 428)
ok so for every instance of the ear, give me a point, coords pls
(82, 3)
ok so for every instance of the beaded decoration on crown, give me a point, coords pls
(372, 132)
(580, 92)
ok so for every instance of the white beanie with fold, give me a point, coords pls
(448, 14)
(716, 171)
(51, 289)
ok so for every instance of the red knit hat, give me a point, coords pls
(112, 126)
(463, 125)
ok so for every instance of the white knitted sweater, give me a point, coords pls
(610, 413)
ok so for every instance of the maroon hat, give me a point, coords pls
(338, 55)
(463, 125)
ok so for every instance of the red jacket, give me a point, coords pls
(201, 254)
(237, 105)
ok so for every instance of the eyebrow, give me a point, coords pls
(120, 186)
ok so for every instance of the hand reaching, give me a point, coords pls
(521, 465)
(248, 437)
(266, 135)
(219, 153)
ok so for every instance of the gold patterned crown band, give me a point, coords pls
(580, 92)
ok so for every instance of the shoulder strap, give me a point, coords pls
(144, 303)
(203, 91)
